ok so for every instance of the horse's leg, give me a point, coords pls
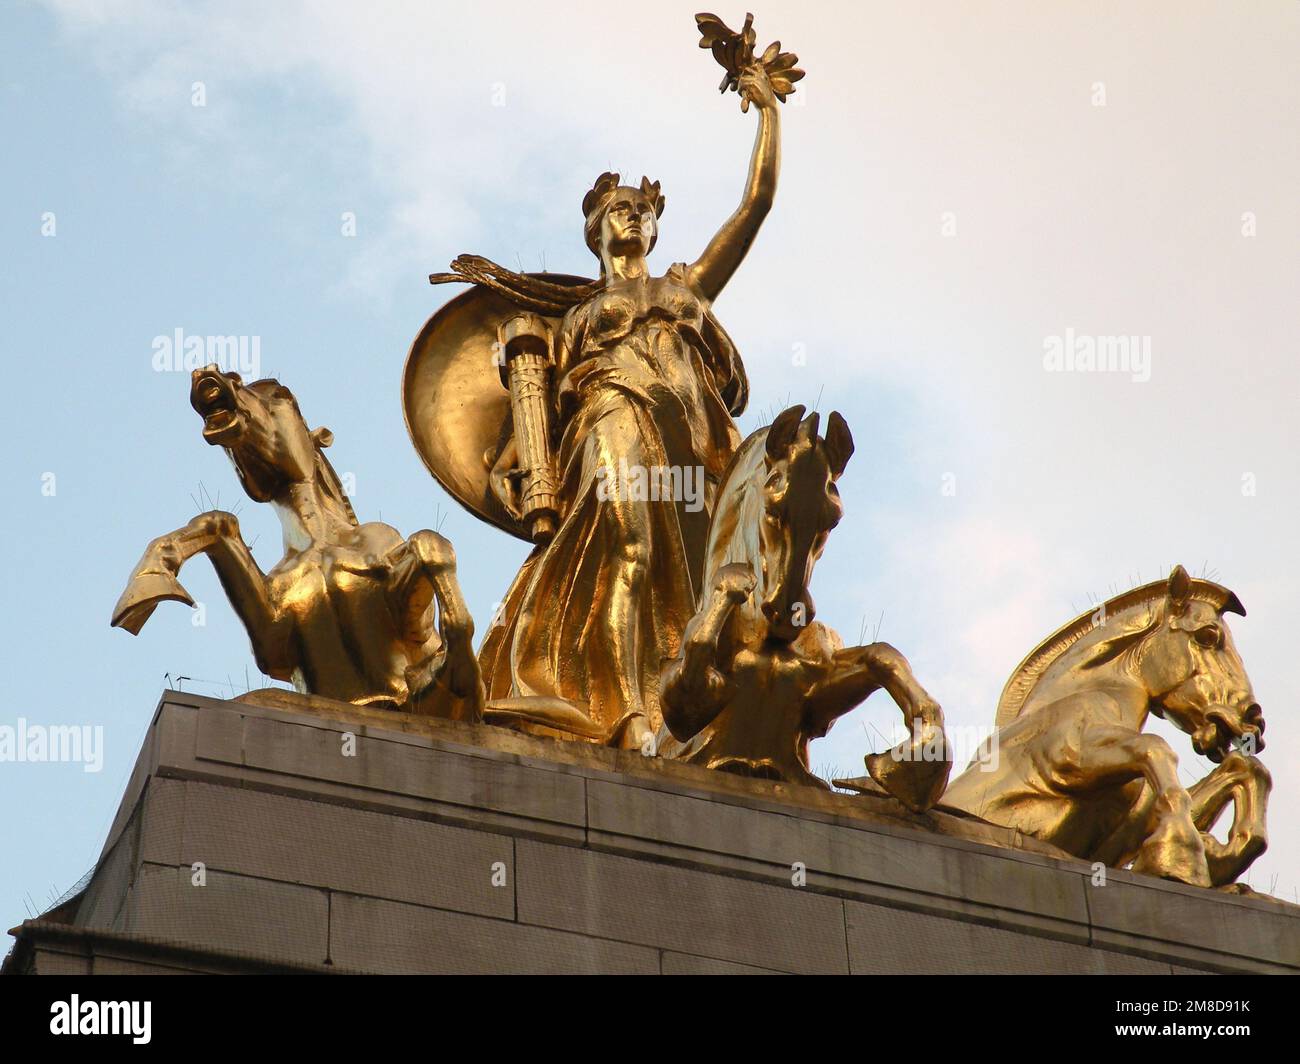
(216, 534)
(153, 580)
(427, 561)
(269, 630)
(1244, 781)
(911, 772)
(1120, 848)
(1239, 779)
(857, 672)
(693, 690)
(1107, 754)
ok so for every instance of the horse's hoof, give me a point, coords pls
(916, 771)
(142, 596)
(1170, 853)
(633, 732)
(736, 582)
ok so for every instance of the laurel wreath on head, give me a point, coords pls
(735, 54)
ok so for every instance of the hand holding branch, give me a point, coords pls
(762, 80)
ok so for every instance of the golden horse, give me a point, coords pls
(1073, 767)
(757, 678)
(349, 611)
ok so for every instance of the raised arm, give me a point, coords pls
(713, 269)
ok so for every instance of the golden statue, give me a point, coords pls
(614, 388)
(349, 611)
(664, 605)
(757, 677)
(1074, 768)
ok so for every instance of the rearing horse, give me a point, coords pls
(349, 611)
(757, 678)
(1074, 768)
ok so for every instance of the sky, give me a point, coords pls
(964, 188)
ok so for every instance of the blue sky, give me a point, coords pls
(481, 131)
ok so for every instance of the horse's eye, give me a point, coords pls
(1209, 635)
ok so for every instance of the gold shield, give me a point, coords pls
(456, 407)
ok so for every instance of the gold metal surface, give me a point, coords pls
(525, 344)
(349, 611)
(1074, 768)
(735, 54)
(757, 678)
(644, 384)
(457, 410)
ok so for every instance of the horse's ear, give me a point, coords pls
(839, 443)
(808, 427)
(1180, 589)
(782, 431)
(322, 437)
(1233, 605)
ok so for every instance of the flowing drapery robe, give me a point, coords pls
(645, 378)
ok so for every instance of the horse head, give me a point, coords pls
(1192, 669)
(262, 430)
(800, 506)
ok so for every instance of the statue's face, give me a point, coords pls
(801, 505)
(1192, 666)
(259, 426)
(629, 225)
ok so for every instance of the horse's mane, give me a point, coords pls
(1131, 616)
(326, 476)
(737, 507)
(328, 479)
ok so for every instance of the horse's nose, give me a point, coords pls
(1253, 720)
(1243, 728)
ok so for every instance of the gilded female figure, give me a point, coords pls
(644, 388)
